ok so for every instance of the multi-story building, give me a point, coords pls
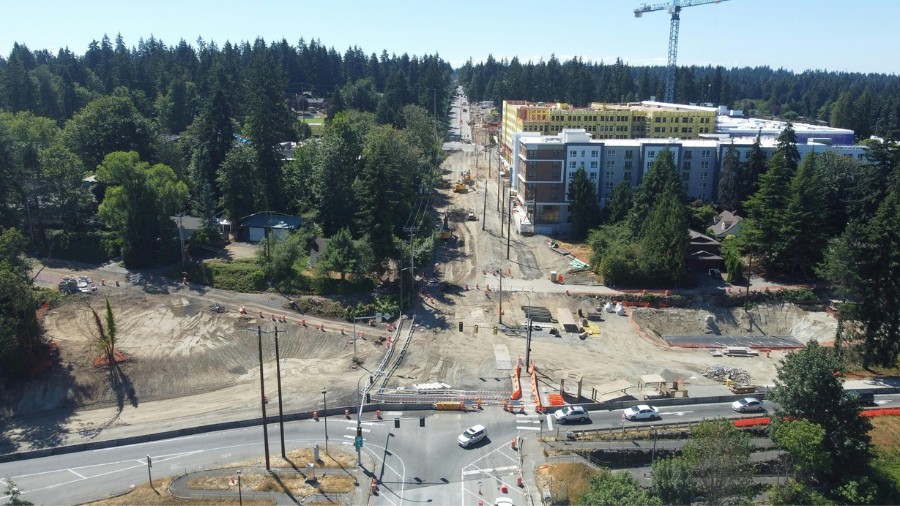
(543, 165)
(606, 121)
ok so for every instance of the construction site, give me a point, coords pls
(191, 353)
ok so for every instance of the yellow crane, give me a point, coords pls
(673, 7)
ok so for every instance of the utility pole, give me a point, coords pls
(280, 405)
(412, 266)
(508, 233)
(484, 209)
(262, 395)
(500, 296)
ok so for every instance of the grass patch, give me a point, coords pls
(240, 275)
(567, 482)
(144, 494)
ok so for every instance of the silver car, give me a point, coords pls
(471, 436)
(747, 405)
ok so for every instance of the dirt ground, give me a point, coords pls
(188, 365)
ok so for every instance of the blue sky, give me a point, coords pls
(836, 35)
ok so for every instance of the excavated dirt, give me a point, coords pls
(188, 365)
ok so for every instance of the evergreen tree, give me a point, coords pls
(786, 144)
(755, 168)
(582, 196)
(762, 232)
(665, 240)
(729, 190)
(268, 123)
(619, 203)
(661, 177)
(803, 221)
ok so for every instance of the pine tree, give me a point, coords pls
(661, 177)
(729, 190)
(803, 226)
(582, 196)
(762, 232)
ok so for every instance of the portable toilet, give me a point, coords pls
(553, 275)
(608, 307)
(620, 309)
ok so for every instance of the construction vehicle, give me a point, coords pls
(446, 233)
(461, 187)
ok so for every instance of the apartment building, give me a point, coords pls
(543, 165)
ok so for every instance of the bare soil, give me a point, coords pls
(188, 365)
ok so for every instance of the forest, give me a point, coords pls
(868, 104)
(200, 129)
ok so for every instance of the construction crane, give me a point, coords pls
(673, 7)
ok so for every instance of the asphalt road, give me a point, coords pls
(413, 463)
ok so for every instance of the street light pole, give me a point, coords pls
(528, 333)
(240, 495)
(359, 406)
(325, 416)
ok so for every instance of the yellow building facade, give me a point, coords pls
(606, 121)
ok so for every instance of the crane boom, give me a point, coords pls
(673, 7)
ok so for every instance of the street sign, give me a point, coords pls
(358, 442)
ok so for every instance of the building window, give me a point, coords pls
(686, 166)
(582, 153)
(704, 153)
(610, 174)
(704, 175)
(626, 176)
(703, 186)
(593, 176)
(629, 155)
(651, 154)
(610, 152)
(571, 165)
(704, 165)
(688, 155)
(594, 164)
(595, 153)
(609, 185)
(610, 164)
(573, 153)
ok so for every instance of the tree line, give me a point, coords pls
(868, 104)
(165, 129)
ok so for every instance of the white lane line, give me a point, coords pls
(364, 430)
(527, 428)
(76, 474)
(549, 422)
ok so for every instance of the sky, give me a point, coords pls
(797, 35)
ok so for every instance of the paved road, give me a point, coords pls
(413, 463)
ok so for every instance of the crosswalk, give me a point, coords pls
(529, 422)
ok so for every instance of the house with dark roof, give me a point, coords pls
(257, 227)
(703, 253)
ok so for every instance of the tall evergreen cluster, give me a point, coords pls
(868, 104)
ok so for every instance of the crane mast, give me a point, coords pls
(673, 7)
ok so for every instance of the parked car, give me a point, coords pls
(471, 436)
(504, 501)
(571, 414)
(747, 404)
(640, 412)
(864, 398)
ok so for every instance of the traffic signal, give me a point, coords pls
(396, 423)
(421, 421)
(359, 432)
(460, 326)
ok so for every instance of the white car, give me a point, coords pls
(471, 436)
(747, 404)
(504, 501)
(571, 414)
(640, 412)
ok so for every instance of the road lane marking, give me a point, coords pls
(549, 422)
(527, 428)
(76, 474)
